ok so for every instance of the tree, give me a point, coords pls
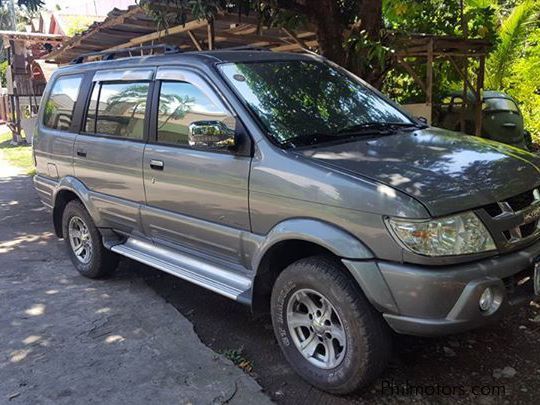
(335, 22)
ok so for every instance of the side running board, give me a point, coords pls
(228, 283)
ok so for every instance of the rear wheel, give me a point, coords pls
(83, 243)
(326, 328)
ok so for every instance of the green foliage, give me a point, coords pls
(523, 83)
(441, 17)
(3, 71)
(77, 24)
(512, 33)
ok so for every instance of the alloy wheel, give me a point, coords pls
(316, 329)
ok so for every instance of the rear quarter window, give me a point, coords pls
(61, 102)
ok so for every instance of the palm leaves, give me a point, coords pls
(512, 34)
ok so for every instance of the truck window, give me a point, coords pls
(117, 109)
(180, 105)
(61, 103)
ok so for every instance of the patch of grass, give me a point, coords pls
(19, 156)
(236, 356)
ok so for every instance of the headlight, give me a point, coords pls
(449, 236)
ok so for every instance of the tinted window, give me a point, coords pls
(182, 104)
(300, 99)
(61, 103)
(90, 125)
(118, 109)
(499, 104)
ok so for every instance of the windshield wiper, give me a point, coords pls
(350, 132)
(377, 127)
(309, 139)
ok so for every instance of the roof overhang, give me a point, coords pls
(133, 27)
(34, 37)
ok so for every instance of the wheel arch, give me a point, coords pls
(296, 239)
(69, 189)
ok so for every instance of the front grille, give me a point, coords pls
(515, 219)
(521, 201)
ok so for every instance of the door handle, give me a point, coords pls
(157, 164)
(81, 153)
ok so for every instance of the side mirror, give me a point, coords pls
(211, 134)
(423, 120)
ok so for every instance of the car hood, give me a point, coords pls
(446, 171)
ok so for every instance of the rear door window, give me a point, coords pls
(118, 109)
(59, 107)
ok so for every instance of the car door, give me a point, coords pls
(196, 193)
(109, 149)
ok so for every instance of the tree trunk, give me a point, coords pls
(330, 30)
(371, 15)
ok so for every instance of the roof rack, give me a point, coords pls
(246, 48)
(110, 55)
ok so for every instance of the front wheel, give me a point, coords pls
(326, 328)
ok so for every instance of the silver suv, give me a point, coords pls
(287, 184)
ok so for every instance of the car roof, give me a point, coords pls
(486, 95)
(190, 58)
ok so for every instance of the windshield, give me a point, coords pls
(308, 99)
(499, 104)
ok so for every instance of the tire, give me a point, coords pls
(368, 341)
(93, 260)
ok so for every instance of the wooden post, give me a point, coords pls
(195, 41)
(211, 34)
(479, 96)
(429, 74)
(464, 94)
(295, 38)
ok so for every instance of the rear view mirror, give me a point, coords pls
(211, 134)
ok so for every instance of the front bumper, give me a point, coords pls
(431, 301)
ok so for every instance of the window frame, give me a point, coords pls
(72, 127)
(147, 112)
(217, 95)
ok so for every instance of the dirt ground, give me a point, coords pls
(65, 339)
(496, 364)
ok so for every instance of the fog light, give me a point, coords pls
(486, 299)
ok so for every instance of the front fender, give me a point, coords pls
(336, 240)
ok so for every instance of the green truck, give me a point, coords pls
(502, 120)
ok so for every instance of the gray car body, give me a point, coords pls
(234, 209)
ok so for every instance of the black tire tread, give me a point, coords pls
(377, 336)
